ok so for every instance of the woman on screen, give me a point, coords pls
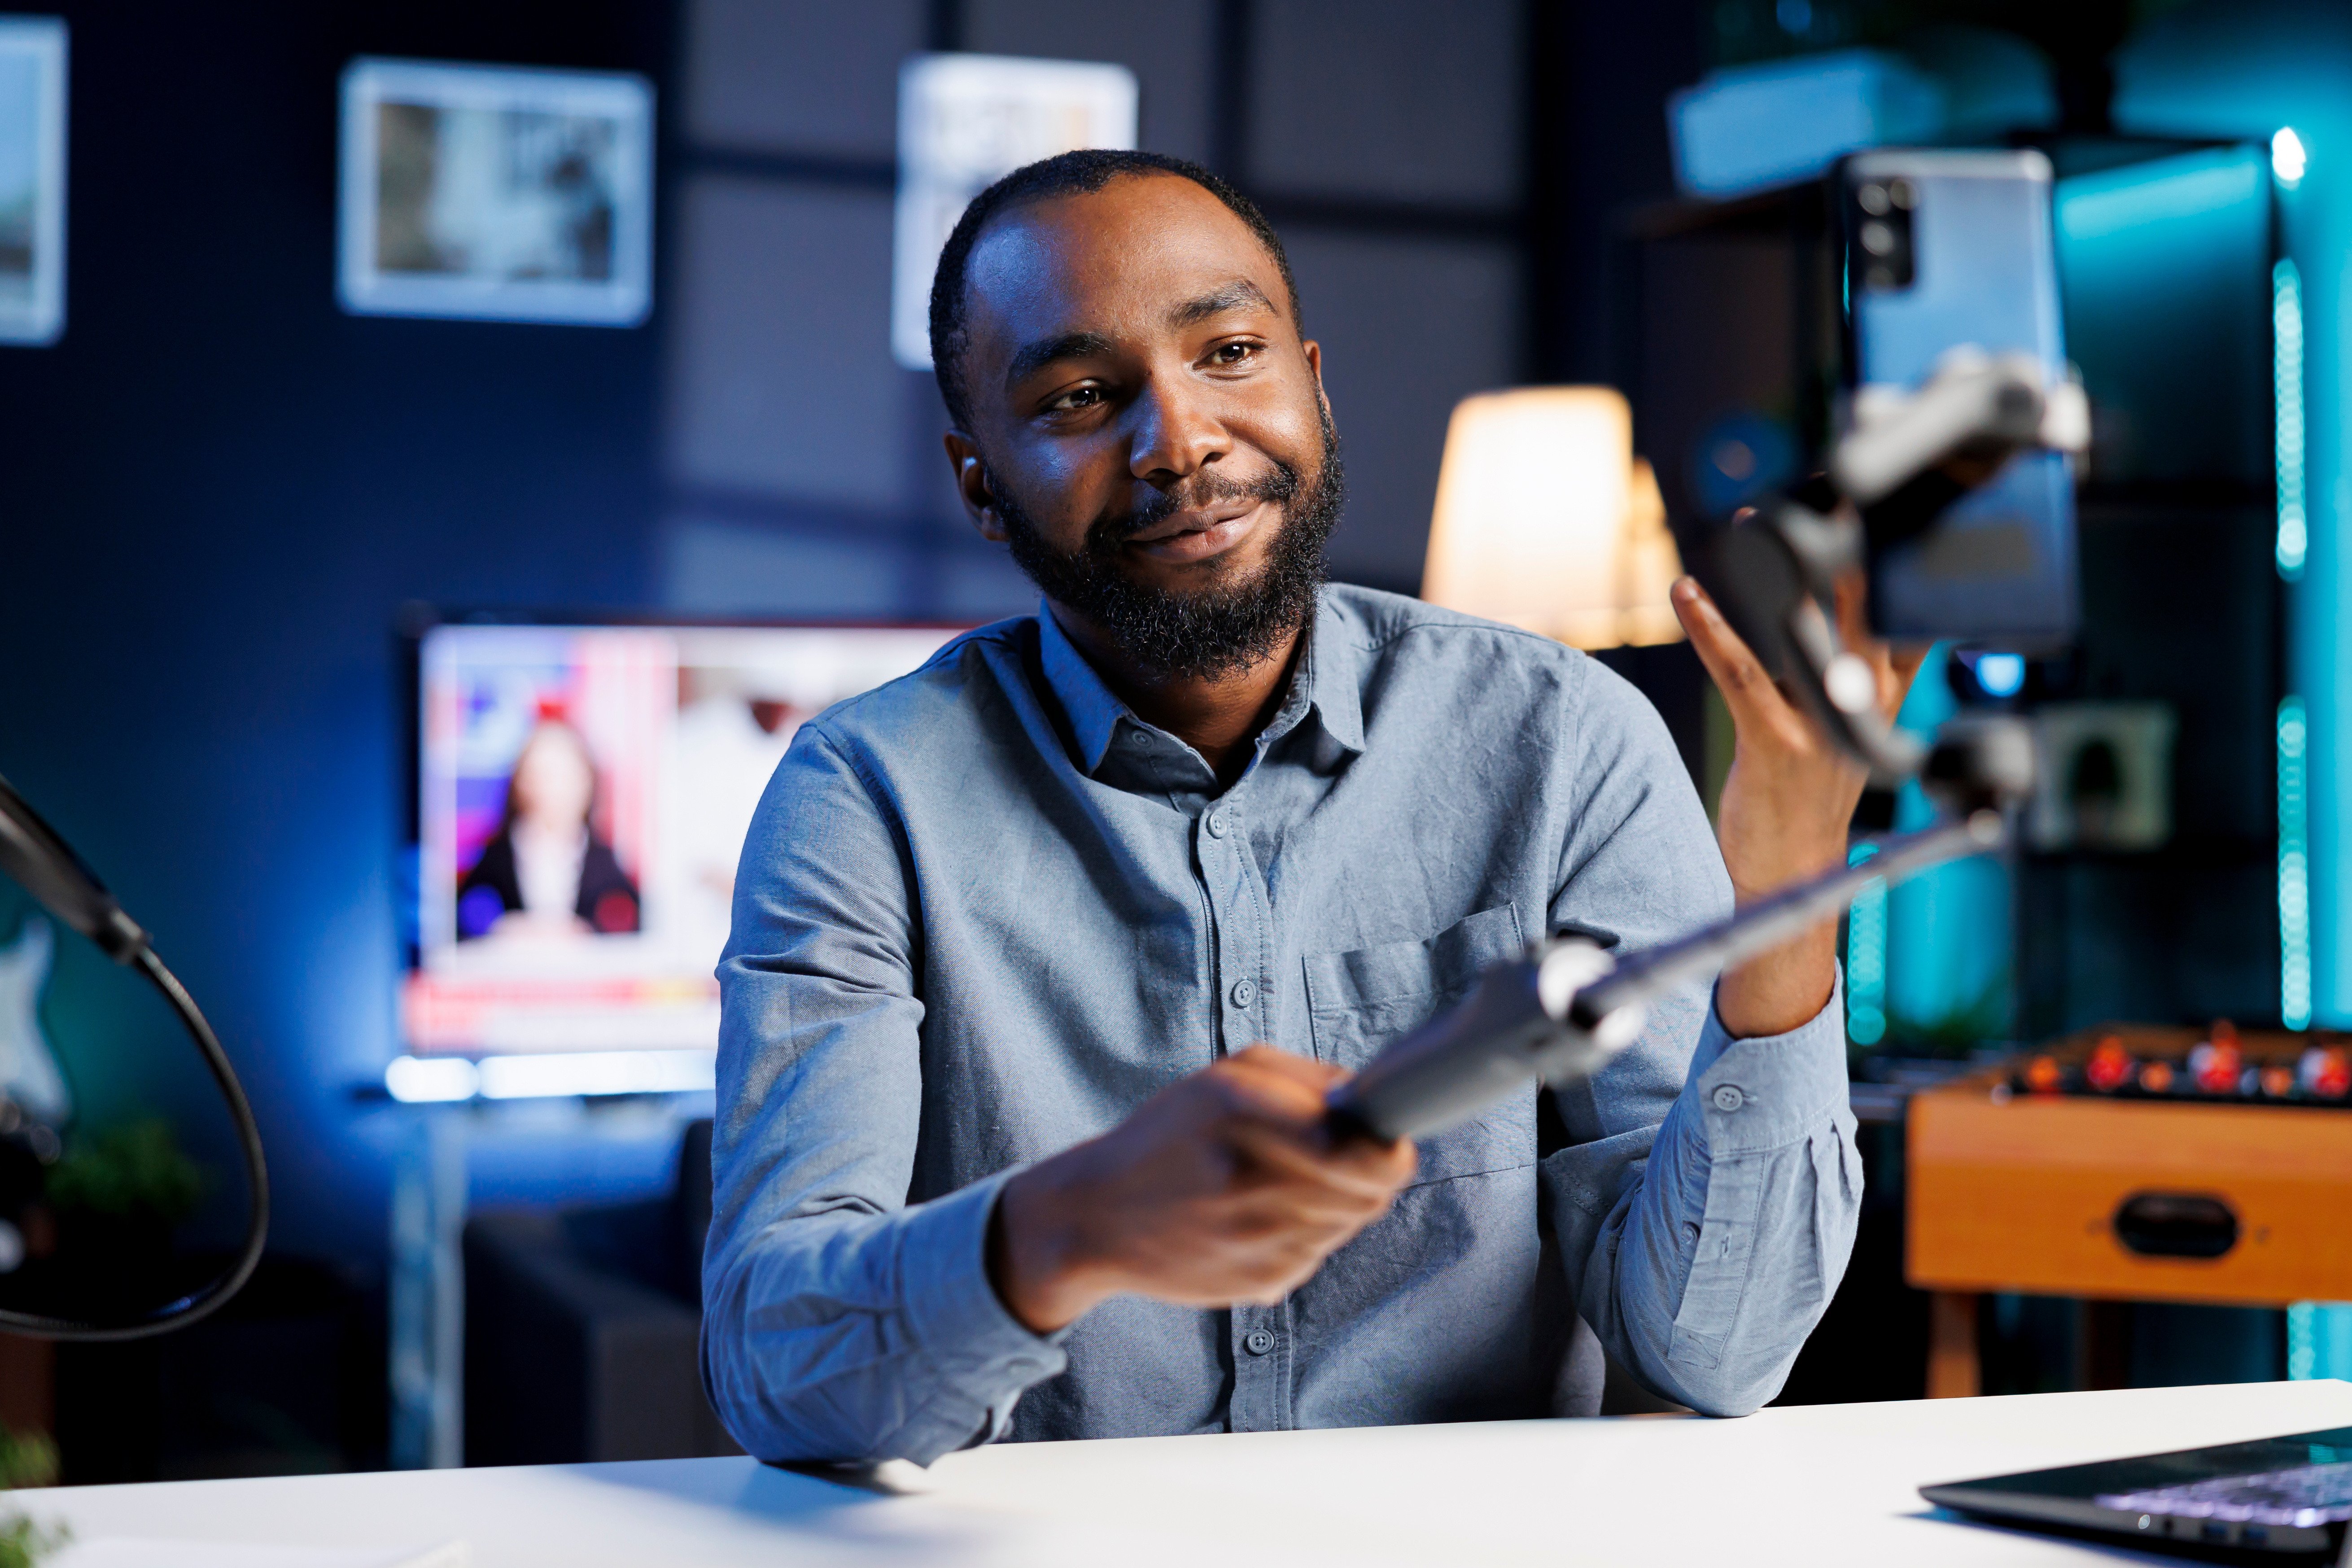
(545, 873)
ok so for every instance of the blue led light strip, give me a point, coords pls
(1865, 958)
(2318, 1340)
(2293, 867)
(2286, 390)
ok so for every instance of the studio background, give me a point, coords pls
(220, 489)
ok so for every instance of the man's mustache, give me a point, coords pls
(1279, 484)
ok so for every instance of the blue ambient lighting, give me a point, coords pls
(2100, 207)
(2318, 1340)
(2287, 157)
(2000, 674)
(2287, 393)
(558, 1074)
(1865, 958)
(424, 1080)
(2293, 867)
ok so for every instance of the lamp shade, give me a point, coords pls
(1547, 520)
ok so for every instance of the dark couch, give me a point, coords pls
(581, 1329)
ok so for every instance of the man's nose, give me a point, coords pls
(1174, 434)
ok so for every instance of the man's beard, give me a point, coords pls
(1207, 633)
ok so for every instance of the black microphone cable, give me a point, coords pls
(34, 853)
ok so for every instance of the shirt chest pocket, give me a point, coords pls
(1359, 1002)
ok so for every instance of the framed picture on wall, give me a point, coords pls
(32, 179)
(966, 121)
(496, 193)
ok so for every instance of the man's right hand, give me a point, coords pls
(1220, 1189)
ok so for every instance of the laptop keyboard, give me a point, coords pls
(2305, 1495)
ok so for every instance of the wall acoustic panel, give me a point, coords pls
(1386, 102)
(780, 377)
(1409, 328)
(713, 567)
(978, 584)
(798, 76)
(1168, 44)
(729, 567)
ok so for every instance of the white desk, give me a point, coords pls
(1832, 1484)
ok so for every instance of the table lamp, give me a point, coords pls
(1547, 520)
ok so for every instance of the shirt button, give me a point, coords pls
(1216, 825)
(1259, 1342)
(1244, 993)
(1728, 1097)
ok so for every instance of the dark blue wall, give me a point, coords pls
(218, 489)
(215, 491)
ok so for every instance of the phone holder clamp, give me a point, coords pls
(1561, 1012)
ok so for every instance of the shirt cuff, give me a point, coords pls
(1768, 1090)
(961, 1324)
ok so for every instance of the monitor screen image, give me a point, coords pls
(582, 793)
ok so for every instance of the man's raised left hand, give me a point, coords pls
(1787, 804)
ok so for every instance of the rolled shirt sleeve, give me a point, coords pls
(870, 1336)
(1708, 1257)
(1707, 1201)
(840, 1322)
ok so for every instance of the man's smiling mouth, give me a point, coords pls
(1199, 534)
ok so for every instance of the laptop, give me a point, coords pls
(2289, 1495)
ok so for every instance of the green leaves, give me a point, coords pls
(137, 1171)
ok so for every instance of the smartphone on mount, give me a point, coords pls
(1947, 249)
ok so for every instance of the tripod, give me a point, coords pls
(1561, 1012)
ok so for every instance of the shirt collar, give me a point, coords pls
(1335, 678)
(1093, 713)
(1328, 683)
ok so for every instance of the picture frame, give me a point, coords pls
(32, 180)
(967, 120)
(495, 193)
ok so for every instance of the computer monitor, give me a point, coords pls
(580, 794)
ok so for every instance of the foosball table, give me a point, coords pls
(2129, 1162)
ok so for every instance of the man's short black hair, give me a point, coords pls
(1069, 174)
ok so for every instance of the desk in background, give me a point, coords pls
(1814, 1485)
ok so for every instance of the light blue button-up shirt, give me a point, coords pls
(985, 911)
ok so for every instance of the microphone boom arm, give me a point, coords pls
(1562, 1011)
(1565, 1008)
(37, 857)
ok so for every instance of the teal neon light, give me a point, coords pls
(2286, 390)
(2294, 866)
(2100, 207)
(2288, 158)
(2318, 1340)
(1865, 958)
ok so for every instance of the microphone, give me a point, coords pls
(1518, 1024)
(37, 857)
(46, 866)
(1558, 1015)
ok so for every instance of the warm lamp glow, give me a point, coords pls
(1546, 519)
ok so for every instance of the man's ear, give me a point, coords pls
(1315, 363)
(971, 485)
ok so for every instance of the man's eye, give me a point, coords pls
(1075, 398)
(1230, 353)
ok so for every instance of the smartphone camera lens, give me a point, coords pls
(1879, 221)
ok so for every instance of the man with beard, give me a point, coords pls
(1044, 956)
